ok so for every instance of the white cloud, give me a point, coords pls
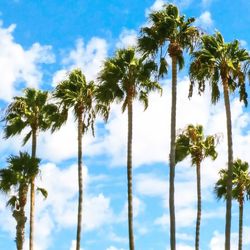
(116, 238)
(127, 38)
(98, 212)
(183, 247)
(157, 5)
(206, 3)
(114, 248)
(88, 57)
(205, 21)
(184, 236)
(217, 241)
(150, 185)
(185, 217)
(18, 65)
(243, 43)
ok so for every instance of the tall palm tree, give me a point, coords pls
(193, 142)
(34, 112)
(75, 93)
(170, 34)
(219, 62)
(124, 78)
(21, 170)
(240, 189)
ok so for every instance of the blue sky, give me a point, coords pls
(40, 41)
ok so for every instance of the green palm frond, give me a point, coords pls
(43, 191)
(12, 202)
(193, 142)
(17, 176)
(32, 111)
(216, 60)
(126, 76)
(181, 147)
(240, 182)
(168, 28)
(76, 93)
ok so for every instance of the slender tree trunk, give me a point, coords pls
(20, 217)
(240, 224)
(172, 154)
(198, 219)
(32, 192)
(80, 181)
(230, 166)
(129, 174)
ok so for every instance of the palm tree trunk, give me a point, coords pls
(240, 224)
(32, 191)
(172, 154)
(198, 220)
(80, 198)
(230, 166)
(129, 173)
(19, 215)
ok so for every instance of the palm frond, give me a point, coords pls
(43, 191)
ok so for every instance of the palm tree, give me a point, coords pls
(240, 189)
(193, 142)
(220, 62)
(76, 93)
(125, 78)
(170, 33)
(32, 111)
(19, 174)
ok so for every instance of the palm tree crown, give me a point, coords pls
(217, 61)
(193, 142)
(241, 182)
(31, 110)
(169, 32)
(19, 172)
(126, 76)
(76, 93)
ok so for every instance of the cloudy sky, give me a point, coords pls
(40, 41)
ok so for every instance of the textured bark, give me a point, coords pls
(129, 173)
(230, 166)
(198, 219)
(172, 155)
(80, 182)
(240, 225)
(20, 217)
(32, 191)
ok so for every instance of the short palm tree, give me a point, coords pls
(240, 189)
(219, 62)
(34, 112)
(193, 142)
(78, 94)
(18, 176)
(126, 77)
(170, 34)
